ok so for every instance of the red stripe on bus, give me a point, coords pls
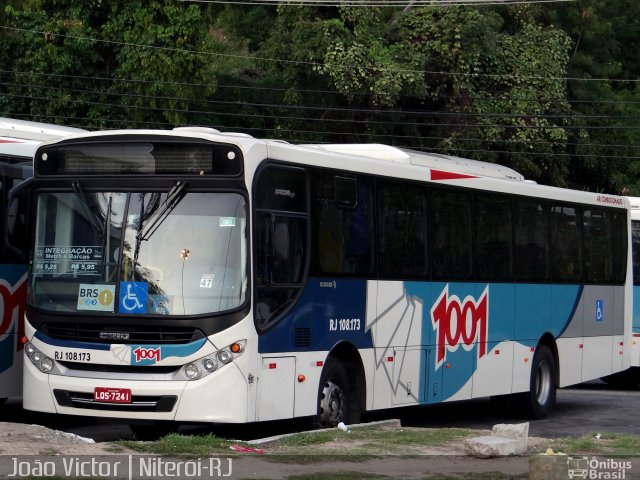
(443, 175)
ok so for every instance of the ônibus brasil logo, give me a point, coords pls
(141, 353)
(460, 323)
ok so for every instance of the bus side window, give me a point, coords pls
(635, 239)
(344, 221)
(565, 243)
(450, 234)
(402, 232)
(531, 241)
(596, 229)
(16, 239)
(494, 251)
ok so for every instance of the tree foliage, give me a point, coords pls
(515, 85)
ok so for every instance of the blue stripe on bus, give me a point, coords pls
(329, 311)
(7, 347)
(12, 272)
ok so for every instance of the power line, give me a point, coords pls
(312, 91)
(359, 110)
(332, 120)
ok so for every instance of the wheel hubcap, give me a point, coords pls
(543, 383)
(332, 404)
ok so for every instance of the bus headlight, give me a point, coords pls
(29, 349)
(46, 365)
(36, 357)
(225, 356)
(209, 364)
(192, 371)
(39, 359)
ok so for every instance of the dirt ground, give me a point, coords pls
(452, 462)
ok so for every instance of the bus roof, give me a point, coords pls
(21, 138)
(424, 159)
(27, 130)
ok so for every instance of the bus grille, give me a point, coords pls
(139, 403)
(96, 367)
(125, 334)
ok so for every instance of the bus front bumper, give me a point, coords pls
(220, 397)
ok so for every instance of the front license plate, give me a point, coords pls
(112, 395)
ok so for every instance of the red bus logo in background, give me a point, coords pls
(460, 323)
(13, 298)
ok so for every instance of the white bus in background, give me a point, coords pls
(635, 242)
(19, 140)
(197, 276)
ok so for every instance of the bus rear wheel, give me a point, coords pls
(541, 398)
(334, 395)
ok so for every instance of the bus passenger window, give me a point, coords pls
(596, 228)
(343, 242)
(402, 232)
(450, 234)
(565, 243)
(494, 255)
(531, 240)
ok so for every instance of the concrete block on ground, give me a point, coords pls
(505, 440)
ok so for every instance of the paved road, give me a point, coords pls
(592, 407)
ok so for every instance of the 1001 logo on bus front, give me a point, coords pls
(152, 354)
(460, 323)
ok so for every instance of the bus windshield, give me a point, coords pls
(139, 253)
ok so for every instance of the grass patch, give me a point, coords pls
(368, 441)
(622, 444)
(338, 476)
(480, 476)
(182, 445)
(356, 445)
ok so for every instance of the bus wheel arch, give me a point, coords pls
(543, 382)
(341, 392)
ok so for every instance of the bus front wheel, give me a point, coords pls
(541, 398)
(334, 395)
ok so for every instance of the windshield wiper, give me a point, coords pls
(174, 197)
(92, 217)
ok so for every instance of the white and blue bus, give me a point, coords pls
(197, 276)
(18, 142)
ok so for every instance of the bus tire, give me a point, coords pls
(541, 397)
(334, 395)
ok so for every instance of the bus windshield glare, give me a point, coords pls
(139, 253)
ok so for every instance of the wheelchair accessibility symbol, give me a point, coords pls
(599, 310)
(133, 297)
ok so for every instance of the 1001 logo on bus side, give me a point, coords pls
(460, 323)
